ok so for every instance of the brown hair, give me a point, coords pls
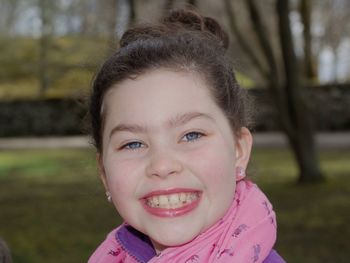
(183, 40)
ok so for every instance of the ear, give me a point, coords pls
(101, 170)
(243, 148)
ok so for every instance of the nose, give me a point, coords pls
(163, 164)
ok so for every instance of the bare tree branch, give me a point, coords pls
(132, 13)
(260, 31)
(274, 83)
(242, 41)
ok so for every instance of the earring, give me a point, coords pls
(109, 197)
(240, 173)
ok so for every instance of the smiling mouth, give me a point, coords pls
(172, 201)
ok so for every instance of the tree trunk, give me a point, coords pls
(301, 136)
(132, 13)
(5, 255)
(46, 30)
(10, 14)
(112, 23)
(85, 16)
(310, 71)
(277, 93)
(43, 76)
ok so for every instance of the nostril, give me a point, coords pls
(164, 166)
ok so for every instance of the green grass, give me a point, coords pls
(53, 208)
(52, 205)
(313, 218)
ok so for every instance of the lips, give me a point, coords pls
(171, 203)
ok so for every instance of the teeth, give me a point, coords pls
(163, 200)
(155, 201)
(171, 201)
(183, 198)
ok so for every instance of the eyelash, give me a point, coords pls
(198, 134)
(130, 145)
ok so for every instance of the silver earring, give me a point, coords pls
(240, 173)
(109, 197)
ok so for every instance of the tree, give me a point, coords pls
(132, 12)
(8, 15)
(127, 15)
(333, 17)
(44, 42)
(300, 130)
(286, 92)
(309, 68)
(5, 255)
(87, 15)
(112, 22)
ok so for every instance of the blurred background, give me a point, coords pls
(292, 57)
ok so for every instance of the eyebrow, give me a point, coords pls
(178, 120)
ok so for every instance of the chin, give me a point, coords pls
(174, 236)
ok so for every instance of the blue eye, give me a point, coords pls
(192, 136)
(132, 145)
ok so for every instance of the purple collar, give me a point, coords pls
(135, 243)
(273, 257)
(139, 246)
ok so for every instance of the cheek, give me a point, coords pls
(214, 164)
(121, 177)
(123, 181)
(215, 170)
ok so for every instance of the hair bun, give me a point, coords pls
(182, 19)
(191, 20)
(141, 32)
(214, 27)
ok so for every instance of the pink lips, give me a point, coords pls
(170, 212)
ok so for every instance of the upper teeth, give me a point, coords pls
(171, 201)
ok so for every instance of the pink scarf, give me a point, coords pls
(246, 233)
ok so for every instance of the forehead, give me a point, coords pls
(159, 101)
(162, 89)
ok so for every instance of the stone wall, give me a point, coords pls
(41, 117)
(330, 105)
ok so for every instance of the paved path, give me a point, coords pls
(324, 141)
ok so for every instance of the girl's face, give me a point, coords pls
(169, 155)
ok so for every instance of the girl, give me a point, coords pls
(168, 121)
